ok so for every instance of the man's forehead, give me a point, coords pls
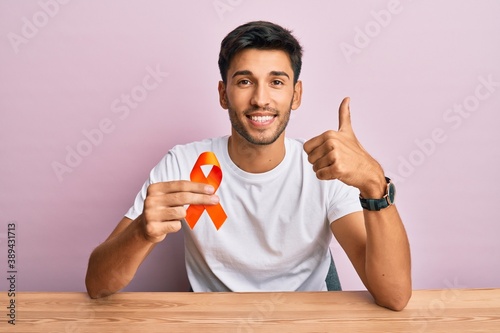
(262, 61)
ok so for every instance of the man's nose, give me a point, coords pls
(260, 96)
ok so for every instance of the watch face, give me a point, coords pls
(391, 193)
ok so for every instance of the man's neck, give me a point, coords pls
(256, 158)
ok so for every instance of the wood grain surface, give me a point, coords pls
(450, 310)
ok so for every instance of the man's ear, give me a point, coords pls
(297, 95)
(222, 95)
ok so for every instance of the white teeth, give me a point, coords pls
(262, 119)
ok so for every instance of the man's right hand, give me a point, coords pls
(165, 206)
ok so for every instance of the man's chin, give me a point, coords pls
(263, 138)
(264, 142)
(260, 140)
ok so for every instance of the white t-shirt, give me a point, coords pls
(277, 233)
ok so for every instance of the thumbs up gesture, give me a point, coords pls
(339, 155)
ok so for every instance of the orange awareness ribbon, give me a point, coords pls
(214, 178)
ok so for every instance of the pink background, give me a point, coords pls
(66, 65)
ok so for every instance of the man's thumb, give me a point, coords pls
(345, 115)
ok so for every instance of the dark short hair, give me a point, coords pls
(260, 35)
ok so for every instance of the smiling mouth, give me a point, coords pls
(261, 119)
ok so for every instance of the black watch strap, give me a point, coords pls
(385, 201)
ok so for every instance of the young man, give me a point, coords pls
(272, 203)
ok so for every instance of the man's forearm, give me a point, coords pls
(388, 261)
(113, 264)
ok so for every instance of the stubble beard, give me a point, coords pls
(260, 140)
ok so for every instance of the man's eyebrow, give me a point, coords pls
(279, 73)
(272, 73)
(243, 72)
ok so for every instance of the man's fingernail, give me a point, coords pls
(209, 189)
(214, 199)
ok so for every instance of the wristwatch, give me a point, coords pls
(378, 204)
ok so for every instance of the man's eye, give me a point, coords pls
(277, 83)
(244, 82)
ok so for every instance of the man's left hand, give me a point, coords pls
(339, 155)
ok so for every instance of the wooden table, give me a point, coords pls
(450, 310)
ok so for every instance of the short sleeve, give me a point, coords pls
(344, 200)
(167, 169)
